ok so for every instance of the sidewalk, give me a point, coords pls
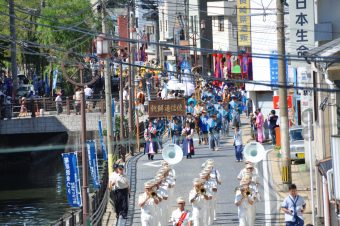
(300, 175)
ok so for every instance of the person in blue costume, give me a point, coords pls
(176, 130)
(203, 124)
(214, 136)
(188, 142)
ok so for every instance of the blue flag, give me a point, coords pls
(93, 163)
(47, 86)
(73, 191)
(101, 139)
(35, 83)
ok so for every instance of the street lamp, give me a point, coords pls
(103, 51)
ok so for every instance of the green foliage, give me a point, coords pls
(60, 21)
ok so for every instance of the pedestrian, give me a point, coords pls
(272, 125)
(259, 126)
(147, 201)
(88, 95)
(293, 206)
(188, 142)
(150, 140)
(244, 198)
(120, 182)
(77, 100)
(236, 121)
(23, 108)
(181, 216)
(238, 144)
(59, 104)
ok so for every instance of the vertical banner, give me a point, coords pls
(55, 78)
(301, 26)
(73, 191)
(243, 22)
(93, 163)
(113, 115)
(101, 139)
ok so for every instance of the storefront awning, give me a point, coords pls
(324, 166)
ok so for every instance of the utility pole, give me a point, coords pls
(122, 140)
(108, 98)
(14, 68)
(132, 50)
(286, 162)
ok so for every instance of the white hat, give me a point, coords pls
(249, 165)
(180, 200)
(197, 181)
(148, 184)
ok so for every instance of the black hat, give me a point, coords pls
(120, 166)
(115, 166)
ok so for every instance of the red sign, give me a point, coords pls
(276, 103)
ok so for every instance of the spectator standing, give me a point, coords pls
(272, 125)
(77, 100)
(293, 206)
(259, 126)
(59, 104)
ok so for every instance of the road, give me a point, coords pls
(188, 169)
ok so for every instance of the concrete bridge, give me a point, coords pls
(53, 124)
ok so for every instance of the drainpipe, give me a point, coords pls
(325, 201)
(333, 132)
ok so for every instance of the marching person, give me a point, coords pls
(150, 140)
(213, 133)
(175, 130)
(259, 126)
(244, 198)
(238, 144)
(293, 206)
(203, 124)
(147, 202)
(188, 142)
(197, 198)
(207, 185)
(216, 178)
(181, 216)
(122, 191)
(197, 114)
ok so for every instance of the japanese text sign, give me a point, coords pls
(301, 27)
(164, 108)
(73, 191)
(243, 22)
(93, 163)
(101, 139)
(276, 100)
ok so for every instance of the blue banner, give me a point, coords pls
(73, 191)
(93, 163)
(55, 78)
(47, 86)
(101, 139)
(113, 116)
(35, 83)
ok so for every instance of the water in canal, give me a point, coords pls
(34, 193)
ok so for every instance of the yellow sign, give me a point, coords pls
(243, 22)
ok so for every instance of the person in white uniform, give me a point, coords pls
(208, 185)
(244, 198)
(147, 202)
(181, 216)
(197, 198)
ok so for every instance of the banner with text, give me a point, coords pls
(243, 22)
(101, 139)
(73, 191)
(93, 162)
(301, 28)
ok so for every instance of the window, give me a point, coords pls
(136, 25)
(192, 24)
(150, 30)
(234, 30)
(195, 22)
(160, 25)
(221, 23)
(166, 25)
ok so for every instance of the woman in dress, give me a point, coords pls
(259, 126)
(150, 140)
(188, 143)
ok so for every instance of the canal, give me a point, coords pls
(32, 185)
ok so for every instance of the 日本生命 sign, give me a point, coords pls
(243, 22)
(164, 108)
(301, 26)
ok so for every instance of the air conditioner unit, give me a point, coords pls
(336, 165)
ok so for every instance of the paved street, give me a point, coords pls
(186, 170)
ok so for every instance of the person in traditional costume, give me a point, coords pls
(188, 142)
(176, 130)
(150, 140)
(259, 126)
